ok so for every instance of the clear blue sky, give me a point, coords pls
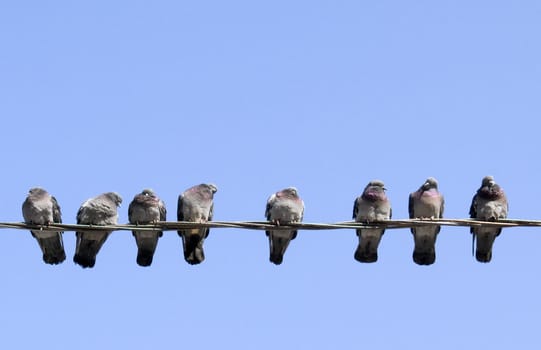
(256, 96)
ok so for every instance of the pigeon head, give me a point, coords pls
(206, 190)
(429, 184)
(36, 191)
(376, 183)
(488, 181)
(375, 190)
(290, 192)
(490, 189)
(211, 187)
(115, 197)
(202, 191)
(148, 192)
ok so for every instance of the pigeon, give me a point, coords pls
(283, 207)
(40, 208)
(100, 210)
(146, 208)
(488, 204)
(425, 203)
(195, 205)
(372, 205)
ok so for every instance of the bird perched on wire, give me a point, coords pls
(427, 202)
(100, 211)
(146, 208)
(372, 205)
(283, 207)
(196, 204)
(40, 208)
(488, 204)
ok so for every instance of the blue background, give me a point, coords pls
(254, 97)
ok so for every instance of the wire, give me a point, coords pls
(265, 225)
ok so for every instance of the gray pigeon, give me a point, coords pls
(372, 205)
(40, 208)
(195, 205)
(488, 204)
(100, 210)
(283, 207)
(426, 202)
(146, 208)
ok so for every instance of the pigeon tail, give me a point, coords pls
(87, 250)
(85, 261)
(424, 252)
(52, 249)
(193, 248)
(146, 246)
(278, 243)
(482, 256)
(367, 249)
(276, 258)
(144, 257)
(424, 257)
(364, 256)
(485, 242)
